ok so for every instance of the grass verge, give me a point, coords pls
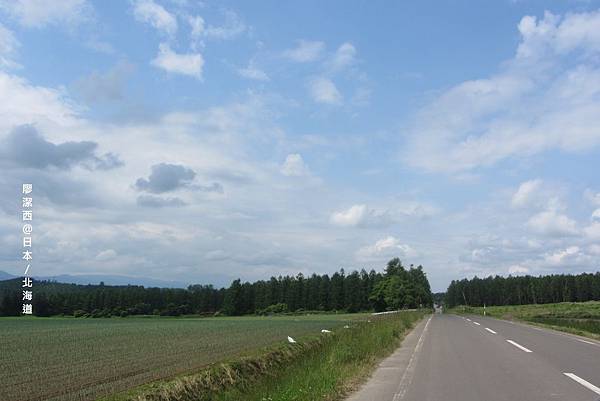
(323, 367)
(581, 318)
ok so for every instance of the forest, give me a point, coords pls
(522, 290)
(395, 288)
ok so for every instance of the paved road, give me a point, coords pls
(455, 358)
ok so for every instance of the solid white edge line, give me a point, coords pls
(584, 383)
(491, 331)
(550, 331)
(477, 324)
(519, 346)
(408, 373)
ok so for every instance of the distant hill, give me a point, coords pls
(6, 276)
(85, 279)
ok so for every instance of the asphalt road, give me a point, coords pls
(455, 358)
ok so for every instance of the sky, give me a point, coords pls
(206, 141)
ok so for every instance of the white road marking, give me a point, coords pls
(491, 331)
(554, 332)
(409, 372)
(584, 383)
(519, 346)
(468, 319)
(477, 324)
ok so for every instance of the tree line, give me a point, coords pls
(395, 288)
(521, 290)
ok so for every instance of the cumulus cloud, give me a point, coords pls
(8, 46)
(147, 11)
(196, 26)
(253, 72)
(26, 147)
(323, 90)
(214, 187)
(158, 202)
(527, 193)
(108, 86)
(386, 248)
(518, 269)
(189, 64)
(360, 216)
(553, 224)
(343, 57)
(165, 178)
(232, 27)
(305, 51)
(294, 166)
(571, 255)
(544, 98)
(38, 14)
(593, 231)
(24, 103)
(592, 197)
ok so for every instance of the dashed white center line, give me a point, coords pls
(477, 323)
(491, 331)
(584, 383)
(519, 346)
(468, 319)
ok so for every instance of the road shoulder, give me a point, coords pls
(384, 382)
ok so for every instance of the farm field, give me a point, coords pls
(64, 359)
(575, 317)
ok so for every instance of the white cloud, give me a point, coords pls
(294, 166)
(232, 27)
(360, 216)
(185, 64)
(149, 12)
(593, 231)
(306, 51)
(592, 197)
(23, 103)
(386, 248)
(596, 215)
(518, 269)
(8, 46)
(560, 258)
(196, 25)
(252, 72)
(594, 249)
(553, 224)
(344, 56)
(323, 90)
(526, 193)
(105, 255)
(38, 13)
(544, 98)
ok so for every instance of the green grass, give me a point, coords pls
(330, 372)
(64, 359)
(321, 367)
(581, 318)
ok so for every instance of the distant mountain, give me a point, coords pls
(107, 279)
(6, 276)
(113, 280)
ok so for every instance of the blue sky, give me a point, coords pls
(205, 141)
